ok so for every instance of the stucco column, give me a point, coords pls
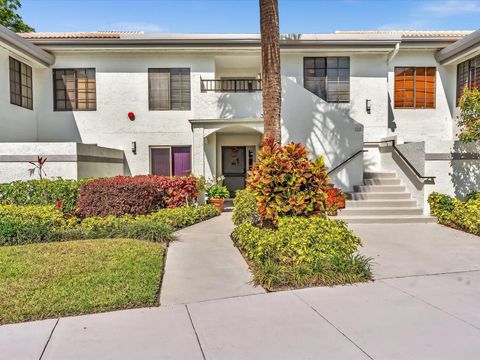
(198, 151)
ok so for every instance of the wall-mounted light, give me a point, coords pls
(134, 147)
(368, 106)
(131, 116)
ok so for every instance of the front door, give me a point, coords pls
(234, 167)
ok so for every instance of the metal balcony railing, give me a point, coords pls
(231, 85)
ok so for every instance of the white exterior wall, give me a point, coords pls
(16, 122)
(423, 124)
(66, 160)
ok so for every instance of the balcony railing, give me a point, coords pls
(231, 85)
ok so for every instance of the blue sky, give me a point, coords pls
(241, 16)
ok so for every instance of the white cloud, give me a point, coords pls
(134, 26)
(451, 7)
(430, 14)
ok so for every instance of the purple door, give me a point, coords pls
(181, 161)
(160, 161)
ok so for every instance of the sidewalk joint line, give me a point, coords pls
(336, 328)
(195, 331)
(420, 275)
(429, 304)
(48, 340)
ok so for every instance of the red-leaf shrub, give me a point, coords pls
(136, 195)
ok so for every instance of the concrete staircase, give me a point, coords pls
(382, 199)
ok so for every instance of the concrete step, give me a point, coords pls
(380, 203)
(380, 195)
(379, 174)
(380, 211)
(379, 188)
(386, 219)
(381, 181)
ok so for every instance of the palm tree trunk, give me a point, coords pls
(271, 81)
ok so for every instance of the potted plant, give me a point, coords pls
(217, 193)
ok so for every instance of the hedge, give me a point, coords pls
(462, 215)
(136, 195)
(302, 252)
(32, 224)
(42, 192)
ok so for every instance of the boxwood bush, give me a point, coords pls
(302, 252)
(463, 215)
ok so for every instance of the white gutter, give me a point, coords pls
(393, 53)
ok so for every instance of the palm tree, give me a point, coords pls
(271, 82)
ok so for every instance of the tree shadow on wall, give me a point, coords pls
(327, 129)
(465, 174)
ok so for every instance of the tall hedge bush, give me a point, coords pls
(63, 193)
(136, 195)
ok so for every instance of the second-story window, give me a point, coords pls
(415, 87)
(328, 77)
(74, 89)
(468, 76)
(169, 89)
(21, 92)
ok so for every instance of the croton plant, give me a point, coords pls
(287, 183)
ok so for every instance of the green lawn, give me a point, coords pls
(49, 280)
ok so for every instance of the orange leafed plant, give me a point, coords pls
(286, 182)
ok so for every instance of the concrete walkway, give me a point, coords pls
(203, 264)
(425, 306)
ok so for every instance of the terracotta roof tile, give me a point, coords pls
(412, 33)
(76, 35)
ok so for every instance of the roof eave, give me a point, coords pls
(468, 46)
(26, 48)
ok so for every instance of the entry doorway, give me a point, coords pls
(236, 161)
(234, 167)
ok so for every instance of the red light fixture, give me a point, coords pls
(131, 116)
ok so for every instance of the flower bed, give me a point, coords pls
(302, 252)
(282, 227)
(462, 215)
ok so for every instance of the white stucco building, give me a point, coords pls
(107, 103)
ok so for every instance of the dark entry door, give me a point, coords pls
(234, 167)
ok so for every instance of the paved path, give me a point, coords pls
(410, 313)
(204, 265)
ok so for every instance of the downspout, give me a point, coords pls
(393, 53)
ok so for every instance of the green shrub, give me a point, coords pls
(182, 217)
(302, 252)
(157, 226)
(30, 224)
(455, 213)
(139, 227)
(245, 208)
(469, 119)
(42, 192)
